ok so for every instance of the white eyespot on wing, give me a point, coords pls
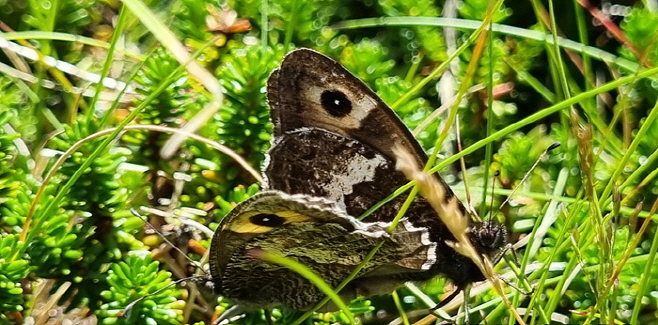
(358, 170)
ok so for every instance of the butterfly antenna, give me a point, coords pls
(493, 187)
(193, 262)
(462, 165)
(130, 306)
(525, 177)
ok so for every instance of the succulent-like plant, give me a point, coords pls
(140, 294)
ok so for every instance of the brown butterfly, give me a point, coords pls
(331, 160)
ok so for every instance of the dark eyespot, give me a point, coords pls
(267, 220)
(335, 103)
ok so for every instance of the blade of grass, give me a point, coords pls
(587, 62)
(167, 38)
(470, 71)
(630, 249)
(398, 305)
(178, 50)
(292, 24)
(523, 75)
(644, 181)
(264, 19)
(648, 122)
(47, 62)
(613, 30)
(535, 300)
(504, 29)
(472, 38)
(56, 67)
(108, 114)
(558, 57)
(488, 148)
(116, 35)
(544, 222)
(64, 37)
(644, 281)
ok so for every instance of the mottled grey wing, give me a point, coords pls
(328, 250)
(323, 238)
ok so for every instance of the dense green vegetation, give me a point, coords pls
(71, 250)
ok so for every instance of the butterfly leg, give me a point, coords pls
(447, 299)
(502, 253)
(227, 315)
(499, 257)
(442, 303)
(467, 293)
(517, 288)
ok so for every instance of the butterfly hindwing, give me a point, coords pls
(318, 234)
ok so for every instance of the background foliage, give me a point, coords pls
(71, 251)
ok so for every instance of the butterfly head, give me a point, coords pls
(488, 237)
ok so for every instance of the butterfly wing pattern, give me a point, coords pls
(333, 143)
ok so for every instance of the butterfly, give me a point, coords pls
(331, 160)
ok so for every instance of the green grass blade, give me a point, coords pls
(306, 273)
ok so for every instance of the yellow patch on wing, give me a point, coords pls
(242, 224)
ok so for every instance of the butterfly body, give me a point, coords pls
(331, 160)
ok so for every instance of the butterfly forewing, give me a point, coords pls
(311, 90)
